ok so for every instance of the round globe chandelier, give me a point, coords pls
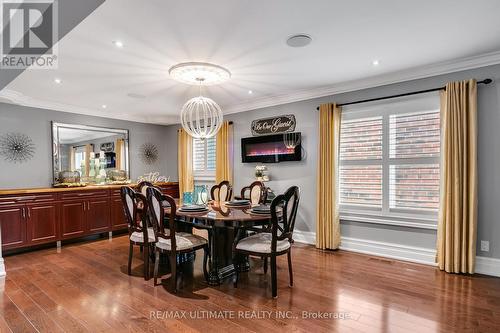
(201, 117)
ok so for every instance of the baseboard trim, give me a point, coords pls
(484, 265)
(306, 237)
(488, 266)
(414, 254)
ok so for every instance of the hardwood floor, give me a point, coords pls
(85, 288)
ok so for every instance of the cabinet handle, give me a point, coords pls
(26, 198)
(29, 213)
(85, 194)
(23, 213)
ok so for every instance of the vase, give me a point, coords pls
(200, 194)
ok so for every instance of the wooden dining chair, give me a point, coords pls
(256, 193)
(139, 233)
(142, 187)
(222, 191)
(278, 242)
(167, 240)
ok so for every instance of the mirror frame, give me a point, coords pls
(55, 144)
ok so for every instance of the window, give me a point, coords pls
(389, 161)
(204, 158)
(79, 157)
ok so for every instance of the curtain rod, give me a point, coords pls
(485, 81)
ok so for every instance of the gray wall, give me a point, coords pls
(37, 124)
(304, 173)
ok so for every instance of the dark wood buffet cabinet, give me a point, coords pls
(39, 216)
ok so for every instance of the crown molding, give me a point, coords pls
(17, 98)
(415, 73)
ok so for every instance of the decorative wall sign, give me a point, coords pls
(16, 147)
(274, 125)
(153, 177)
(149, 153)
(108, 147)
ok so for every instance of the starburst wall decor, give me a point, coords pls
(149, 153)
(16, 147)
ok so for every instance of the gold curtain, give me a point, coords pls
(224, 153)
(185, 161)
(88, 149)
(120, 154)
(327, 203)
(457, 226)
(72, 166)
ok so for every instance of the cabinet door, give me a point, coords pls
(13, 226)
(73, 219)
(42, 223)
(98, 215)
(118, 220)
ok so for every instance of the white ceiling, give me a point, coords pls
(248, 38)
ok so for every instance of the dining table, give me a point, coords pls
(225, 226)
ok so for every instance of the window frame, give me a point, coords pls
(407, 217)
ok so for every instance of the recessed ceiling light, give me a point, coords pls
(118, 43)
(250, 92)
(375, 62)
(199, 73)
(104, 106)
(57, 80)
(299, 40)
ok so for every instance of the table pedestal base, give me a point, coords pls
(221, 263)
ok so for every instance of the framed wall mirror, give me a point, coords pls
(89, 155)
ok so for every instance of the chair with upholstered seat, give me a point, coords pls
(139, 234)
(278, 241)
(256, 193)
(169, 241)
(222, 191)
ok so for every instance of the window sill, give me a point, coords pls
(418, 223)
(204, 178)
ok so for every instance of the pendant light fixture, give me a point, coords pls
(201, 117)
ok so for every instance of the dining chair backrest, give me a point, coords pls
(163, 225)
(222, 191)
(133, 215)
(283, 213)
(143, 186)
(256, 193)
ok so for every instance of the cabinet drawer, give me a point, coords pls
(82, 195)
(27, 198)
(116, 193)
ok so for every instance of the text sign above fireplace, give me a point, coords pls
(274, 125)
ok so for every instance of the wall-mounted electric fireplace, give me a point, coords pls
(269, 149)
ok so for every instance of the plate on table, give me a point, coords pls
(193, 208)
(237, 203)
(265, 210)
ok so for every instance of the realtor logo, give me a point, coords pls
(29, 32)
